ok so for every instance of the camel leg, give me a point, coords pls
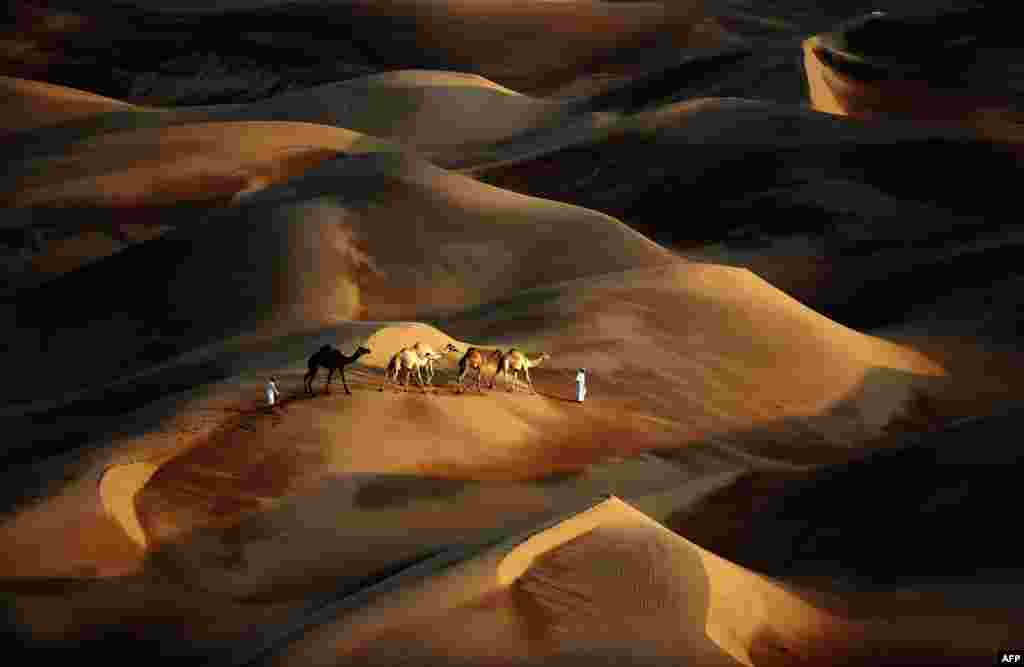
(529, 381)
(344, 384)
(462, 375)
(308, 380)
(408, 373)
(419, 378)
(327, 385)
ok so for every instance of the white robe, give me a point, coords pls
(272, 393)
(581, 387)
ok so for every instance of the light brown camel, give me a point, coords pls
(516, 361)
(333, 360)
(475, 359)
(407, 360)
(428, 353)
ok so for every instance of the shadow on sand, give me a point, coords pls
(907, 496)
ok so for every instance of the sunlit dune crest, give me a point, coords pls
(117, 490)
(28, 104)
(497, 332)
(201, 162)
(611, 580)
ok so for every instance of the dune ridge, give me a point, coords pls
(536, 47)
(543, 599)
(443, 115)
(29, 105)
(772, 465)
(200, 162)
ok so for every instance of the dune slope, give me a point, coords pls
(26, 105)
(612, 582)
(902, 228)
(325, 246)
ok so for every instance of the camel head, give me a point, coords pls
(450, 348)
(360, 351)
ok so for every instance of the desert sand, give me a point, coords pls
(612, 584)
(32, 104)
(798, 322)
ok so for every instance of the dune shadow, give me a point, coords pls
(93, 417)
(918, 514)
(800, 511)
(382, 491)
(885, 402)
(906, 509)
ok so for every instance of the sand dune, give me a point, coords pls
(310, 259)
(442, 115)
(920, 486)
(524, 175)
(896, 213)
(32, 104)
(531, 47)
(436, 113)
(611, 582)
(835, 92)
(958, 68)
(200, 53)
(208, 155)
(660, 384)
(202, 162)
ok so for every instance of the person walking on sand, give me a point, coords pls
(272, 393)
(581, 384)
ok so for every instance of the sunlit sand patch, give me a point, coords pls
(118, 488)
(195, 162)
(26, 105)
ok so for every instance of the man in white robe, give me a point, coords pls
(272, 393)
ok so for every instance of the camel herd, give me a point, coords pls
(420, 358)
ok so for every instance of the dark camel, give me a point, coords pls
(476, 359)
(333, 360)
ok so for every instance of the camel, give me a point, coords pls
(476, 359)
(428, 353)
(516, 361)
(333, 360)
(407, 360)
